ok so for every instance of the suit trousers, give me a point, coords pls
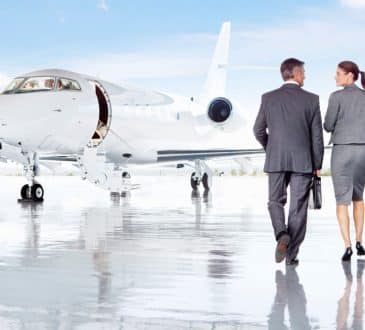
(297, 219)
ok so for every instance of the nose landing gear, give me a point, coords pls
(33, 191)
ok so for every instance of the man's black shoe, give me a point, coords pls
(282, 247)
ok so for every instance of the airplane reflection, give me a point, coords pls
(197, 201)
(33, 213)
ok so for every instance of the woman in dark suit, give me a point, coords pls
(345, 119)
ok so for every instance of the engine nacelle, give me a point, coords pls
(219, 113)
(220, 110)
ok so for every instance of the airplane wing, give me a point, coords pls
(190, 155)
(173, 156)
(59, 158)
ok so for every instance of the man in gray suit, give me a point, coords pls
(289, 127)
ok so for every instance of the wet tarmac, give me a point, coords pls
(164, 258)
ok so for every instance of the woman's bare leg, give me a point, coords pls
(359, 219)
(344, 223)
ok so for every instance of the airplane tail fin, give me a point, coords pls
(215, 84)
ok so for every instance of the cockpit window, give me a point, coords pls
(68, 84)
(36, 84)
(13, 85)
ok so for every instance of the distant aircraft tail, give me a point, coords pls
(215, 84)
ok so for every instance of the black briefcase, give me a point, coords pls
(315, 194)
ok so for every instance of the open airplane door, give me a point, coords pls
(105, 113)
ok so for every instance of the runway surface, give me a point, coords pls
(163, 258)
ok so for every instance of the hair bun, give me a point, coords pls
(362, 75)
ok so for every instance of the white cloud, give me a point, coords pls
(252, 49)
(305, 37)
(185, 55)
(254, 67)
(353, 3)
(103, 5)
(132, 66)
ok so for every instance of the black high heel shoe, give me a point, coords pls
(360, 249)
(347, 255)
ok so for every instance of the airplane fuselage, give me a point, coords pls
(65, 121)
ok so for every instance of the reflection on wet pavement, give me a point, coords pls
(343, 310)
(289, 293)
(167, 258)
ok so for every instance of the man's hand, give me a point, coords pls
(317, 172)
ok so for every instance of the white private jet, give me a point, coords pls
(66, 116)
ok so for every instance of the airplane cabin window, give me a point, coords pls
(36, 84)
(14, 84)
(68, 84)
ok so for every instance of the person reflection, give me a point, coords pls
(289, 292)
(343, 307)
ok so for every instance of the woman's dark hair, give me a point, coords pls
(348, 67)
(362, 79)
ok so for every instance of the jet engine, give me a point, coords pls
(220, 110)
(219, 113)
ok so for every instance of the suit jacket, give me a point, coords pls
(345, 117)
(289, 127)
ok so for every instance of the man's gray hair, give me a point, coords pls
(288, 66)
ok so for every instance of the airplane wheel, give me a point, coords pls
(194, 182)
(126, 175)
(205, 181)
(37, 192)
(24, 191)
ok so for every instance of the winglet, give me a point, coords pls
(215, 84)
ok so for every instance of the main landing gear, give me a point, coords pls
(33, 191)
(124, 186)
(202, 174)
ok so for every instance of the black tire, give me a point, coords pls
(205, 181)
(37, 192)
(193, 182)
(126, 175)
(24, 191)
